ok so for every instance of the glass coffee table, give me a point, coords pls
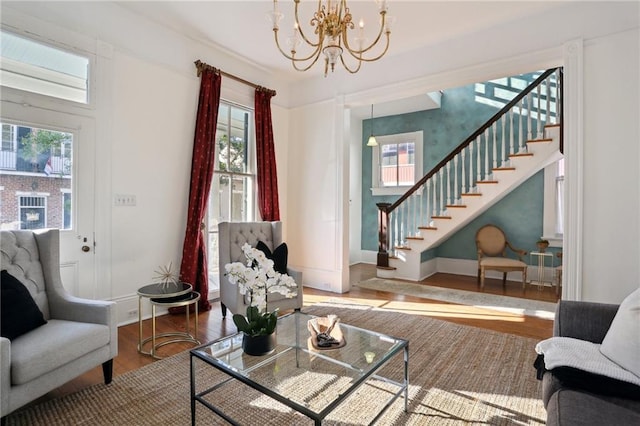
(289, 374)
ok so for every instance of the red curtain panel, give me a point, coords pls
(266, 157)
(193, 269)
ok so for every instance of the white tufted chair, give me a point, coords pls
(232, 236)
(80, 334)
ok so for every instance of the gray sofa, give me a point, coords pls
(79, 334)
(586, 400)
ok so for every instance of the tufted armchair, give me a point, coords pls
(79, 334)
(232, 236)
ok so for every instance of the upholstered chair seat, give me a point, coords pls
(492, 244)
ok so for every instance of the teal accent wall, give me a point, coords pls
(519, 214)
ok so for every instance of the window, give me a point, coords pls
(39, 68)
(8, 137)
(553, 203)
(232, 193)
(396, 163)
(33, 212)
(39, 165)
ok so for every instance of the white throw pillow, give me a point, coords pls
(622, 342)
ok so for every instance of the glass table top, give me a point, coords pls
(309, 377)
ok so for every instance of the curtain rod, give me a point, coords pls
(200, 66)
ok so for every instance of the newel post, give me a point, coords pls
(383, 226)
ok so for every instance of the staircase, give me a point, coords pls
(521, 139)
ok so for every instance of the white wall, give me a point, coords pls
(316, 196)
(611, 167)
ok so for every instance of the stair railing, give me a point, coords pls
(489, 148)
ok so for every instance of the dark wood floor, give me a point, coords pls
(212, 326)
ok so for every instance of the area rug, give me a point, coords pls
(496, 302)
(458, 375)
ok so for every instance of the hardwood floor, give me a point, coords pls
(211, 325)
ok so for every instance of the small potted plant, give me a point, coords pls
(257, 279)
(542, 244)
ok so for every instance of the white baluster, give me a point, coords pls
(494, 127)
(539, 127)
(478, 159)
(464, 187)
(448, 183)
(511, 136)
(456, 192)
(487, 171)
(414, 222)
(520, 141)
(529, 98)
(503, 121)
(395, 228)
(471, 174)
(547, 86)
(442, 199)
(558, 95)
(401, 219)
(422, 202)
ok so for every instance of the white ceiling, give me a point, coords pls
(241, 26)
(429, 38)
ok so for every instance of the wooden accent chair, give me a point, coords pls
(492, 244)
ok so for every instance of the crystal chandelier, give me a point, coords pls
(328, 34)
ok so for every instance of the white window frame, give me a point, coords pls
(550, 209)
(49, 100)
(417, 138)
(43, 195)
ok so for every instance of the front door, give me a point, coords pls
(47, 180)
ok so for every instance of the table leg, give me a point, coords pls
(140, 324)
(193, 391)
(406, 378)
(153, 330)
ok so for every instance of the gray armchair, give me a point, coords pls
(232, 236)
(79, 334)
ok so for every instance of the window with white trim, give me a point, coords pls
(32, 66)
(553, 203)
(33, 212)
(232, 194)
(396, 163)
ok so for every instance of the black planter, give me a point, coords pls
(259, 345)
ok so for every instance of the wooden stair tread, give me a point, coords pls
(539, 140)
(524, 154)
(552, 125)
(440, 217)
(428, 228)
(503, 169)
(402, 248)
(415, 238)
(471, 194)
(492, 182)
(456, 206)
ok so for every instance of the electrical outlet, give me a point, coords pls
(132, 312)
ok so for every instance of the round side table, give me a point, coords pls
(167, 295)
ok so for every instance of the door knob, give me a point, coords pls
(86, 248)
